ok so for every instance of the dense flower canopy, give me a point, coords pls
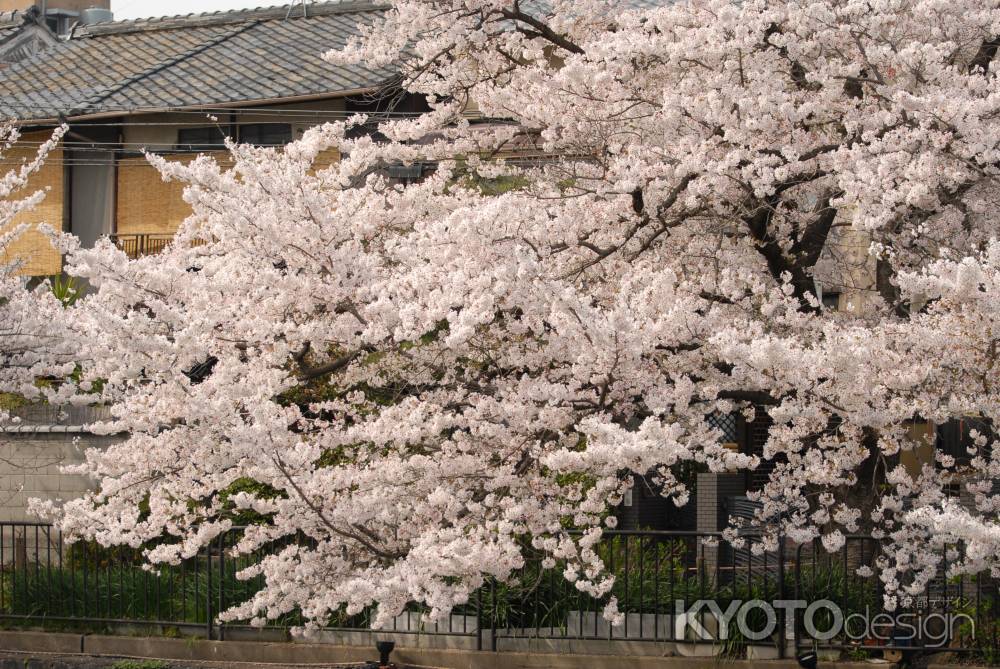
(431, 381)
(33, 342)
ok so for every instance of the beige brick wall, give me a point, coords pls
(147, 203)
(326, 159)
(33, 248)
(30, 465)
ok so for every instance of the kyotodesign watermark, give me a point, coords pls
(821, 620)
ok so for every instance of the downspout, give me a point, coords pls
(68, 177)
(116, 160)
(67, 195)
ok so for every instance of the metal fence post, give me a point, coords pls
(782, 636)
(222, 576)
(479, 619)
(493, 615)
(208, 591)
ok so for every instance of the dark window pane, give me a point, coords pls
(955, 437)
(727, 422)
(266, 134)
(405, 174)
(201, 138)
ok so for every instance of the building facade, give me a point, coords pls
(176, 86)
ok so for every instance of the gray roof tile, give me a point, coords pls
(190, 61)
(197, 60)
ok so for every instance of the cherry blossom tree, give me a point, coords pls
(33, 342)
(431, 381)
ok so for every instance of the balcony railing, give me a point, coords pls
(141, 244)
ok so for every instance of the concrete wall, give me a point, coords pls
(712, 492)
(858, 278)
(30, 462)
(286, 653)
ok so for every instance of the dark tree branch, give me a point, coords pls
(542, 29)
(797, 71)
(778, 264)
(638, 203)
(810, 245)
(885, 273)
(307, 373)
(980, 63)
(753, 396)
(887, 288)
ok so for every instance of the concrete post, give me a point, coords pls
(713, 489)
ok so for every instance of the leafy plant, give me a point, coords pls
(67, 290)
(858, 654)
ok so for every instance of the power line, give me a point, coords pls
(336, 115)
(175, 147)
(203, 111)
(224, 158)
(194, 109)
(82, 145)
(512, 160)
(137, 149)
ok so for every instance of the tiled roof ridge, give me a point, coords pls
(11, 17)
(149, 71)
(200, 20)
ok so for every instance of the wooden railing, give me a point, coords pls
(141, 244)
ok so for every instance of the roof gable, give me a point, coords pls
(23, 35)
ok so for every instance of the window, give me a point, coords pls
(955, 437)
(208, 137)
(831, 301)
(405, 174)
(728, 423)
(266, 134)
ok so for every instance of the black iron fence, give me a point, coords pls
(683, 588)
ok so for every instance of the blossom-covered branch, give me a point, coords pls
(432, 381)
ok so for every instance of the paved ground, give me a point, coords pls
(18, 660)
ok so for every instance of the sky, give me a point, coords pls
(133, 9)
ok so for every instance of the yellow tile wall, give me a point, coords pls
(147, 204)
(32, 247)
